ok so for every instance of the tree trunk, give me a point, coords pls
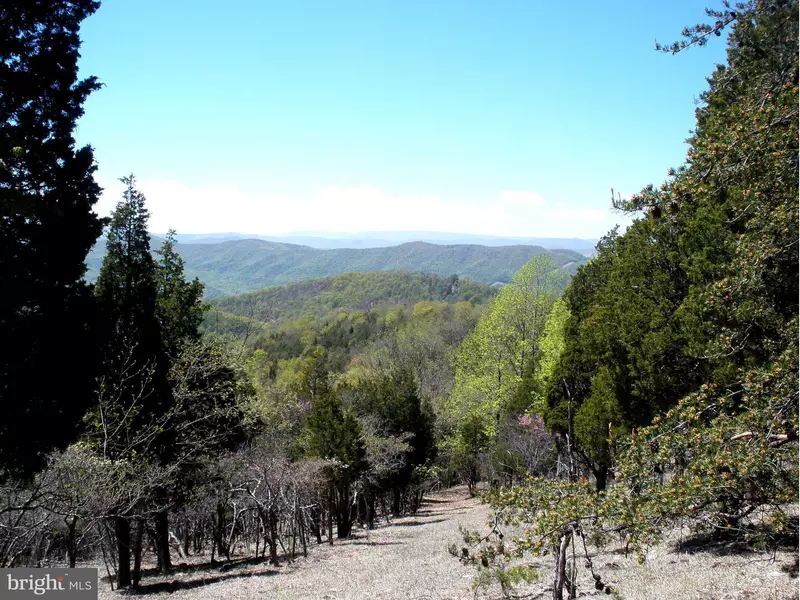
(186, 537)
(601, 477)
(315, 524)
(72, 542)
(162, 541)
(472, 479)
(273, 537)
(362, 509)
(301, 525)
(123, 530)
(384, 509)
(396, 497)
(371, 509)
(331, 508)
(220, 529)
(138, 534)
(344, 520)
(561, 564)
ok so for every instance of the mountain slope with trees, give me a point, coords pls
(658, 393)
(345, 293)
(240, 266)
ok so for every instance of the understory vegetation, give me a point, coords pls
(655, 388)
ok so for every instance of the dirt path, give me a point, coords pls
(406, 560)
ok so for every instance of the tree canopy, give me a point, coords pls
(47, 195)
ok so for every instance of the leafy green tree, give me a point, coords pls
(531, 396)
(176, 398)
(706, 283)
(624, 317)
(595, 421)
(495, 358)
(47, 194)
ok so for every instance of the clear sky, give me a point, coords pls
(487, 117)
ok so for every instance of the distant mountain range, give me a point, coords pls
(246, 265)
(326, 240)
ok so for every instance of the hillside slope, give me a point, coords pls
(316, 298)
(240, 266)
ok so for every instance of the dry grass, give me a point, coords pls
(406, 560)
(409, 560)
(673, 572)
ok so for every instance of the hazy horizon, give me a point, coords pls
(364, 116)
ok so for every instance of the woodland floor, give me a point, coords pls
(409, 560)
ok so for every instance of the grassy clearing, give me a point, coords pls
(408, 560)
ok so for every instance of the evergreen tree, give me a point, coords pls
(47, 192)
(705, 283)
(127, 295)
(394, 400)
(136, 364)
(334, 433)
(179, 306)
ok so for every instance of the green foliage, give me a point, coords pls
(494, 359)
(393, 400)
(171, 397)
(210, 393)
(47, 194)
(708, 282)
(597, 417)
(126, 286)
(734, 451)
(330, 297)
(334, 432)
(735, 477)
(543, 371)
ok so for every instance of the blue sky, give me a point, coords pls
(497, 118)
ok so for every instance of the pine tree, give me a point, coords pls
(47, 192)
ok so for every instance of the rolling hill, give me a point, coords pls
(379, 239)
(347, 292)
(240, 266)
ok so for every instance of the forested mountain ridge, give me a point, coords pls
(240, 266)
(348, 292)
(326, 240)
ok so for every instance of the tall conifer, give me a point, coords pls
(47, 227)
